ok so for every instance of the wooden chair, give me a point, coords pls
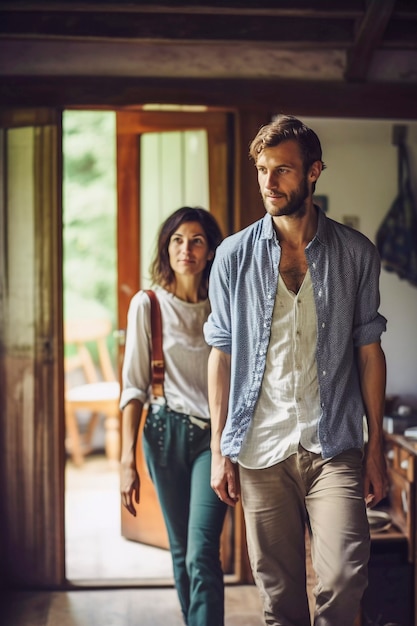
(99, 394)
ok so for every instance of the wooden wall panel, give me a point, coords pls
(31, 419)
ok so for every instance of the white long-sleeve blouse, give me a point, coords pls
(185, 353)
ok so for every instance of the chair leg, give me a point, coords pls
(112, 438)
(73, 435)
(88, 437)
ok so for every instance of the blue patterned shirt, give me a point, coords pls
(344, 267)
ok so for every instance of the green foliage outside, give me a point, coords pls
(89, 213)
(89, 199)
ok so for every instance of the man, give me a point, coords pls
(296, 364)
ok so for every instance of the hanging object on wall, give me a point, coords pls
(396, 238)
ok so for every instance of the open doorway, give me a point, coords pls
(123, 173)
(95, 548)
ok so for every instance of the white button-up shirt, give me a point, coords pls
(287, 413)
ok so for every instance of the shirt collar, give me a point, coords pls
(322, 229)
(268, 230)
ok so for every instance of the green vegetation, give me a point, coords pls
(89, 198)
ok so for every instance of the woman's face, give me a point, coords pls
(188, 250)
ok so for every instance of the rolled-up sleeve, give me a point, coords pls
(369, 324)
(136, 374)
(217, 329)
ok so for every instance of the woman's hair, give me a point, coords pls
(160, 268)
(285, 128)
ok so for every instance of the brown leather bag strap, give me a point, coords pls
(157, 355)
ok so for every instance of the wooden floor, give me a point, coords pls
(97, 555)
(121, 607)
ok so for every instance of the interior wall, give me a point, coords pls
(361, 180)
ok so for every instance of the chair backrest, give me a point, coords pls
(79, 333)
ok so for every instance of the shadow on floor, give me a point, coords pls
(122, 607)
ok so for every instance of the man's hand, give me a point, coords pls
(225, 479)
(375, 476)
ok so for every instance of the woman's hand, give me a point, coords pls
(129, 477)
(129, 487)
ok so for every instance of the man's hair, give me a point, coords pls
(286, 128)
(160, 268)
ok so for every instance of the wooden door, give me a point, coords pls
(31, 397)
(148, 526)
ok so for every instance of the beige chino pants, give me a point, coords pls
(278, 502)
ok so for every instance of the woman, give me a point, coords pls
(176, 437)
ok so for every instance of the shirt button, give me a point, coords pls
(323, 325)
(324, 372)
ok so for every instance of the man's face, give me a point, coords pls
(283, 184)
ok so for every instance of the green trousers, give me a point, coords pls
(177, 453)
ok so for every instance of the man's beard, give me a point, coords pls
(296, 202)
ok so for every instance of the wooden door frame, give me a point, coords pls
(130, 125)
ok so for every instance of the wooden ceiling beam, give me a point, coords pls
(292, 8)
(289, 23)
(314, 98)
(281, 29)
(368, 38)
